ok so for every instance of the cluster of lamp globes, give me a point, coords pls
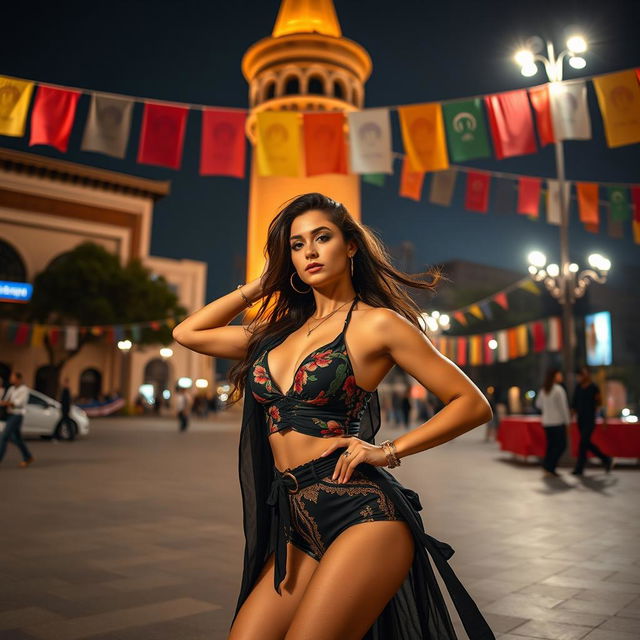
(538, 264)
(527, 58)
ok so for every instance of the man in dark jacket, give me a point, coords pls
(65, 407)
(586, 400)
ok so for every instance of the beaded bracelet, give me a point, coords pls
(392, 455)
(247, 301)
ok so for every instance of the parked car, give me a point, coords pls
(42, 415)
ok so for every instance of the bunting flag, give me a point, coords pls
(278, 143)
(52, 117)
(71, 338)
(522, 340)
(442, 187)
(474, 309)
(588, 202)
(423, 136)
(462, 351)
(529, 195)
(15, 96)
(569, 110)
(466, 130)
(504, 196)
(539, 338)
(108, 126)
(489, 353)
(614, 227)
(22, 334)
(539, 97)
(619, 203)
(503, 346)
(635, 197)
(370, 141)
(501, 299)
(410, 181)
(162, 135)
(475, 350)
(511, 124)
(459, 316)
(554, 208)
(477, 193)
(530, 286)
(619, 100)
(223, 147)
(512, 343)
(554, 334)
(486, 309)
(324, 144)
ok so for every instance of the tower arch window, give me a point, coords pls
(316, 86)
(292, 86)
(270, 90)
(339, 90)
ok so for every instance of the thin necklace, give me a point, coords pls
(327, 317)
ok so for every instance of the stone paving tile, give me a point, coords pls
(551, 630)
(21, 617)
(609, 634)
(630, 625)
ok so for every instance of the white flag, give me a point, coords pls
(569, 110)
(71, 338)
(108, 126)
(554, 333)
(370, 141)
(554, 215)
(503, 346)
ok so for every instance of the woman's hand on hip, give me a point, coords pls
(359, 451)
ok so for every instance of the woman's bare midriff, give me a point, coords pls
(291, 448)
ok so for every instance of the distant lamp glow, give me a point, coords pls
(435, 314)
(531, 394)
(626, 411)
(125, 345)
(444, 320)
(553, 270)
(598, 261)
(577, 44)
(524, 57)
(529, 70)
(493, 344)
(166, 352)
(166, 394)
(577, 62)
(185, 383)
(537, 259)
(573, 267)
(201, 383)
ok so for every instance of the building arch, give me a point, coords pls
(316, 84)
(46, 380)
(12, 266)
(291, 86)
(90, 384)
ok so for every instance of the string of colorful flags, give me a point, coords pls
(526, 195)
(432, 133)
(34, 334)
(481, 309)
(503, 345)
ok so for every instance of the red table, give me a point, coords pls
(524, 435)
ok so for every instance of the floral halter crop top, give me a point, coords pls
(324, 399)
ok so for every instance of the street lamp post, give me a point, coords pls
(553, 66)
(125, 349)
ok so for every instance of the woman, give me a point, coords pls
(552, 401)
(334, 319)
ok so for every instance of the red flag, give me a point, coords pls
(222, 146)
(325, 150)
(539, 340)
(52, 117)
(539, 97)
(529, 195)
(410, 181)
(162, 135)
(511, 123)
(501, 299)
(489, 355)
(462, 351)
(588, 204)
(459, 316)
(22, 334)
(477, 194)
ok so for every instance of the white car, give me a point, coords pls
(43, 413)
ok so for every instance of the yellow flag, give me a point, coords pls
(475, 350)
(530, 285)
(37, 335)
(619, 100)
(522, 338)
(476, 311)
(423, 136)
(15, 96)
(278, 143)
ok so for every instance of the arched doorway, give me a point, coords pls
(11, 264)
(47, 380)
(90, 384)
(157, 374)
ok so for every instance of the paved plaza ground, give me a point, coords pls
(135, 533)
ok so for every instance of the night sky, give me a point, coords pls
(421, 51)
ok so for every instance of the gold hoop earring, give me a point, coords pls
(293, 286)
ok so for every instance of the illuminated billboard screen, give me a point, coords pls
(598, 339)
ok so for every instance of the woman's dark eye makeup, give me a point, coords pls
(295, 245)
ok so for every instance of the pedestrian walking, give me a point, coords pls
(585, 403)
(65, 408)
(552, 401)
(182, 406)
(15, 401)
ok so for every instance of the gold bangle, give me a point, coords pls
(389, 450)
(247, 301)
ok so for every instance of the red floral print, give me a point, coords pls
(320, 399)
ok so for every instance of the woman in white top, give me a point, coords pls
(552, 401)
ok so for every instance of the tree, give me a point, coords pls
(88, 286)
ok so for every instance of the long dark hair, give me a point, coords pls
(377, 282)
(549, 379)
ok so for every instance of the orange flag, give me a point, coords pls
(325, 150)
(512, 338)
(423, 136)
(588, 202)
(410, 181)
(619, 100)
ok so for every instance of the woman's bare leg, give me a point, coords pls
(265, 615)
(359, 573)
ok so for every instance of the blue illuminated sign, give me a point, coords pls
(598, 337)
(15, 291)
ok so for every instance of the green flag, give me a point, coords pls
(619, 203)
(374, 178)
(466, 130)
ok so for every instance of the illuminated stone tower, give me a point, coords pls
(306, 64)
